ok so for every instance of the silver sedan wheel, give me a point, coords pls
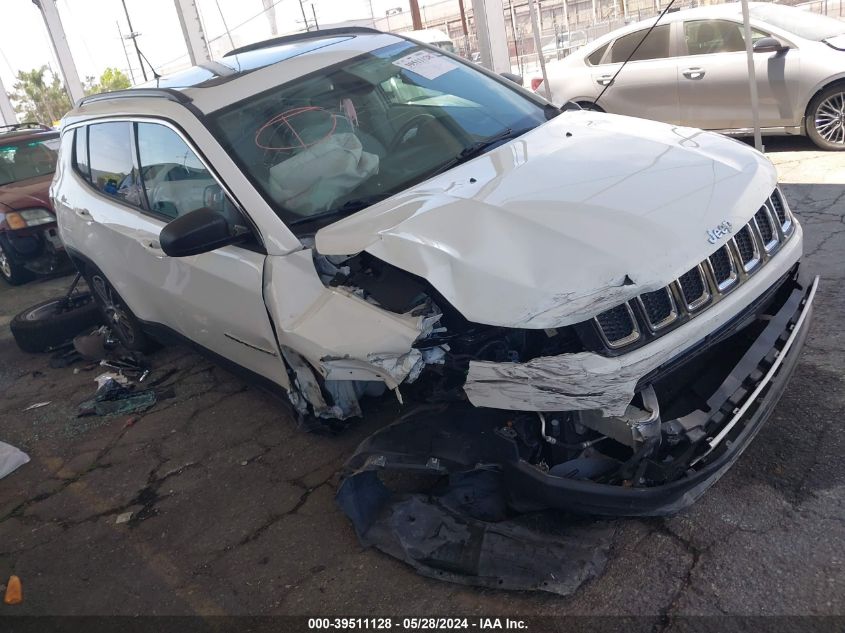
(830, 118)
(5, 264)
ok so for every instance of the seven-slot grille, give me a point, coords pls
(722, 265)
(766, 227)
(658, 307)
(746, 247)
(779, 208)
(618, 325)
(703, 285)
(694, 288)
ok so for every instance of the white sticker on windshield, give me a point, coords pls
(427, 64)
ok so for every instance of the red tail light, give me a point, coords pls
(535, 83)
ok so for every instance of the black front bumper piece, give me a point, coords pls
(462, 439)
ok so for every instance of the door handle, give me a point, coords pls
(694, 73)
(604, 80)
(154, 247)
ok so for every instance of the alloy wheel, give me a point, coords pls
(116, 315)
(830, 118)
(5, 264)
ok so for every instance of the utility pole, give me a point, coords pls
(304, 17)
(125, 52)
(314, 13)
(463, 18)
(134, 37)
(60, 47)
(415, 15)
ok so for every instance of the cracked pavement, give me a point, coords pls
(233, 512)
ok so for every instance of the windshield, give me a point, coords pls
(27, 159)
(810, 26)
(334, 142)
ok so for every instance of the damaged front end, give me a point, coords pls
(691, 418)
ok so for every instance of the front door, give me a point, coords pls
(713, 77)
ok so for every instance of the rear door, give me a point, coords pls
(648, 86)
(713, 74)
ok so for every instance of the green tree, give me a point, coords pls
(40, 96)
(111, 79)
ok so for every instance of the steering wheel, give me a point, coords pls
(414, 122)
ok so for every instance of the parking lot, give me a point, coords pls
(233, 511)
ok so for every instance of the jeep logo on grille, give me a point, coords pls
(715, 234)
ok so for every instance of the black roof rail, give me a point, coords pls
(28, 125)
(299, 37)
(133, 93)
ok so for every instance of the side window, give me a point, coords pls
(594, 58)
(705, 37)
(80, 151)
(656, 45)
(175, 180)
(110, 161)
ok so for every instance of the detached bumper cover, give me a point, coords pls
(461, 439)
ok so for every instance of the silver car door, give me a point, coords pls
(215, 299)
(648, 86)
(713, 76)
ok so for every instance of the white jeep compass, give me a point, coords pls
(610, 307)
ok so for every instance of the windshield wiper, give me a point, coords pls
(350, 206)
(479, 147)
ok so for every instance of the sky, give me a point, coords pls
(91, 27)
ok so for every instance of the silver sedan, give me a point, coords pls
(692, 70)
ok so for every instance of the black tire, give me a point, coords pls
(51, 323)
(10, 270)
(117, 315)
(826, 118)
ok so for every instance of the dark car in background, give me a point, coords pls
(29, 241)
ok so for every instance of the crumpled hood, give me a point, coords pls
(576, 216)
(26, 194)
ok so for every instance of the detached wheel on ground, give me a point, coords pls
(826, 118)
(117, 314)
(53, 322)
(12, 272)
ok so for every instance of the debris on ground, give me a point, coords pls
(38, 405)
(14, 593)
(11, 459)
(431, 489)
(95, 345)
(124, 517)
(543, 551)
(114, 396)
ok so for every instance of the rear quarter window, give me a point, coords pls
(594, 58)
(80, 152)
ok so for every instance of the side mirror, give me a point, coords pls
(517, 79)
(200, 231)
(769, 45)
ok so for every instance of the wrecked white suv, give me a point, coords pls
(610, 307)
